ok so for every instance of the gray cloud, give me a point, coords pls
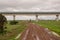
(29, 5)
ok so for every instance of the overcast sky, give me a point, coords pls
(29, 5)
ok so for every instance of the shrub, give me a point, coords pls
(3, 21)
(13, 22)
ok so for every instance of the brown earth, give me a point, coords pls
(35, 32)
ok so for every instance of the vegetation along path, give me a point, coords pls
(35, 32)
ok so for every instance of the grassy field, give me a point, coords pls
(13, 30)
(52, 25)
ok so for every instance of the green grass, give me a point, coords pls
(52, 25)
(13, 30)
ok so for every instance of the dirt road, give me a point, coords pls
(35, 32)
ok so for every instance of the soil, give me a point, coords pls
(35, 32)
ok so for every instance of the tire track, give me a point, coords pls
(35, 32)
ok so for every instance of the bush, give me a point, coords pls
(13, 22)
(3, 21)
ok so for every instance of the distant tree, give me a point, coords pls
(3, 20)
(30, 20)
(36, 17)
(57, 17)
(14, 22)
(14, 17)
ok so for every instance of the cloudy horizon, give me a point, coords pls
(24, 17)
(29, 5)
